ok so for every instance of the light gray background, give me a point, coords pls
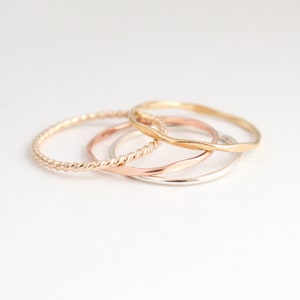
(75, 236)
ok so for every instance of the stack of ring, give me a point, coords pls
(156, 128)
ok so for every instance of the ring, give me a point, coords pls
(172, 167)
(137, 111)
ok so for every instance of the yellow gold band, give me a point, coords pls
(192, 144)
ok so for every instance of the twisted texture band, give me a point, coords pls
(192, 144)
(92, 165)
(176, 166)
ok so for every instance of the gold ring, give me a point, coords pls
(192, 144)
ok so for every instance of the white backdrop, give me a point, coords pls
(93, 236)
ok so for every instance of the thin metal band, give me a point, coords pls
(176, 166)
(180, 181)
(92, 165)
(192, 144)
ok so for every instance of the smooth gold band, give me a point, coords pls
(192, 144)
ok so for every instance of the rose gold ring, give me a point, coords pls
(172, 167)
